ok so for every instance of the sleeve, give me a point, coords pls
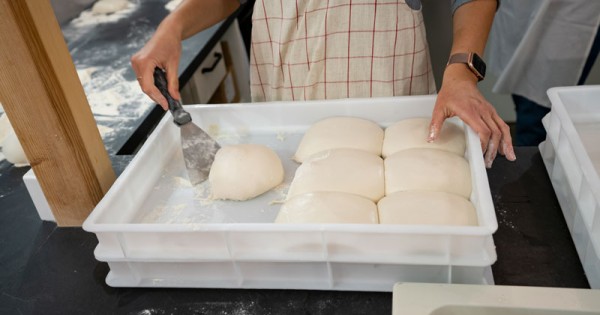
(457, 3)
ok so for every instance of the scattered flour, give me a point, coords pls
(104, 130)
(180, 182)
(85, 75)
(235, 137)
(109, 92)
(171, 5)
(281, 191)
(281, 136)
(89, 17)
(109, 6)
(165, 214)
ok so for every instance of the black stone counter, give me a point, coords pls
(101, 48)
(50, 270)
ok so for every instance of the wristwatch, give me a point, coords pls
(473, 62)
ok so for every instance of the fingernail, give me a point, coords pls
(489, 159)
(509, 153)
(431, 137)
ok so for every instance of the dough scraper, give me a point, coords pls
(198, 147)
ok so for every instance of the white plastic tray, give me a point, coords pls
(454, 299)
(571, 154)
(156, 230)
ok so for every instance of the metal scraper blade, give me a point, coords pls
(198, 147)
(199, 151)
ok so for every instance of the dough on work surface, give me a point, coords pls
(109, 6)
(244, 171)
(412, 133)
(427, 169)
(328, 207)
(426, 207)
(338, 133)
(5, 127)
(342, 170)
(13, 151)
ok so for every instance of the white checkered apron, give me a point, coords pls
(327, 49)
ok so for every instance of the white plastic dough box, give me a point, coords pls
(155, 230)
(571, 154)
(464, 299)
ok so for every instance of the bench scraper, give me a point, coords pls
(198, 147)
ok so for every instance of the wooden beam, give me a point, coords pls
(46, 104)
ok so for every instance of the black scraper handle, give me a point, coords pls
(180, 116)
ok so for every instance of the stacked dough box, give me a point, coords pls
(342, 175)
(242, 248)
(572, 157)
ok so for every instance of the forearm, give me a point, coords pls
(459, 95)
(471, 26)
(193, 16)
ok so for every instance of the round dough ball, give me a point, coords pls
(5, 127)
(426, 207)
(427, 169)
(343, 170)
(13, 151)
(244, 171)
(412, 133)
(340, 133)
(328, 207)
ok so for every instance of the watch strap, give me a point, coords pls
(459, 58)
(467, 59)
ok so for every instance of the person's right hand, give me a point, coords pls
(163, 50)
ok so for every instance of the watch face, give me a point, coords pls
(479, 64)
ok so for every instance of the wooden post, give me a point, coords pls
(46, 104)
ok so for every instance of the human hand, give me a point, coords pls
(460, 97)
(163, 50)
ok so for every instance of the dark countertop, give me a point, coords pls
(50, 270)
(101, 48)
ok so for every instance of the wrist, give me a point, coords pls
(458, 72)
(170, 27)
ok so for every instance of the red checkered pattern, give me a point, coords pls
(326, 49)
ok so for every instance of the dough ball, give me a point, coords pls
(342, 170)
(5, 127)
(328, 207)
(427, 169)
(244, 171)
(412, 133)
(426, 207)
(338, 133)
(109, 6)
(13, 151)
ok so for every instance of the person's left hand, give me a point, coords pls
(460, 97)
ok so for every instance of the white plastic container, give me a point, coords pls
(156, 230)
(453, 299)
(571, 154)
